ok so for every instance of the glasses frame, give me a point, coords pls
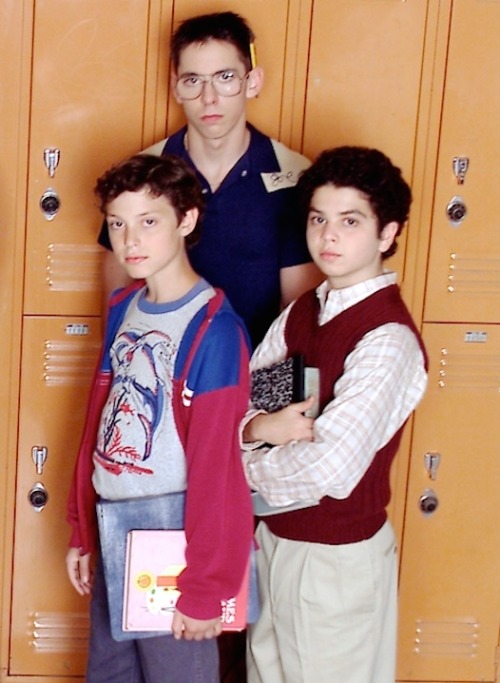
(209, 79)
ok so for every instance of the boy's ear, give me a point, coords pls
(388, 235)
(255, 81)
(188, 222)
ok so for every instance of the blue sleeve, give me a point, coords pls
(217, 363)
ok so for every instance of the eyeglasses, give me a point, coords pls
(225, 83)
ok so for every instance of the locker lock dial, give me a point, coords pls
(38, 496)
(428, 502)
(50, 203)
(456, 211)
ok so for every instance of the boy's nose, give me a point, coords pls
(130, 237)
(208, 92)
(329, 233)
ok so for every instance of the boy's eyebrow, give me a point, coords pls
(347, 212)
(313, 208)
(149, 212)
(185, 74)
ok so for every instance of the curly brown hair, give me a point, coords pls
(168, 176)
(370, 172)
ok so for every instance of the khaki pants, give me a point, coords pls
(329, 613)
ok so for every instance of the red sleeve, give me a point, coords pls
(219, 519)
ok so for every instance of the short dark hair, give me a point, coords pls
(226, 27)
(370, 172)
(167, 175)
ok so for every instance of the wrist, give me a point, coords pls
(251, 429)
(246, 432)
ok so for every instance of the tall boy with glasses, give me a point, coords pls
(251, 244)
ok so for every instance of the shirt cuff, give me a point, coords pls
(250, 445)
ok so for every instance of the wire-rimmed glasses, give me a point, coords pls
(226, 83)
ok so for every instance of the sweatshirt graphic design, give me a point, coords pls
(136, 408)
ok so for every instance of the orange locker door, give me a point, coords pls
(363, 84)
(464, 265)
(14, 71)
(89, 82)
(49, 622)
(449, 598)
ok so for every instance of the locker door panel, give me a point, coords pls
(364, 75)
(449, 599)
(464, 265)
(14, 69)
(363, 83)
(269, 21)
(49, 620)
(88, 102)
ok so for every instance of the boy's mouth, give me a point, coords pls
(329, 255)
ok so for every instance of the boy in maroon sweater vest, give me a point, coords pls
(328, 571)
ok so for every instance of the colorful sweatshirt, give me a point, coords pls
(208, 399)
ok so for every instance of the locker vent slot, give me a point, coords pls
(452, 638)
(74, 267)
(469, 371)
(474, 275)
(53, 632)
(69, 362)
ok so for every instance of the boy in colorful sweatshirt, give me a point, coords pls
(328, 572)
(149, 433)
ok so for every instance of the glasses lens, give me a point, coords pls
(225, 83)
(189, 88)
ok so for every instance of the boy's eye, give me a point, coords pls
(191, 81)
(225, 76)
(114, 224)
(148, 222)
(316, 220)
(350, 222)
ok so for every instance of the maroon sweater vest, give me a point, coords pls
(362, 514)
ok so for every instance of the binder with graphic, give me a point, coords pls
(154, 560)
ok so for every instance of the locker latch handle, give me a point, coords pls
(51, 156)
(39, 455)
(460, 166)
(431, 461)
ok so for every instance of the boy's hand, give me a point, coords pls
(195, 629)
(78, 568)
(287, 424)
